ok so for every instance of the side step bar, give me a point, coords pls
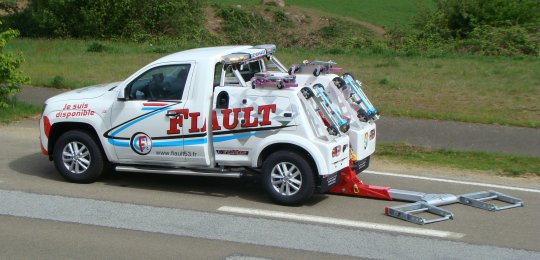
(428, 203)
(181, 171)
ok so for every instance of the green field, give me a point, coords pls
(69, 60)
(495, 90)
(387, 13)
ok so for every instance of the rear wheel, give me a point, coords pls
(288, 178)
(77, 157)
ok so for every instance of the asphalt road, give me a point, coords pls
(139, 216)
(431, 133)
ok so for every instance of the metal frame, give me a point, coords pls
(356, 88)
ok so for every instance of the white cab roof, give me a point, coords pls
(202, 54)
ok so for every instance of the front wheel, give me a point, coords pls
(288, 178)
(77, 157)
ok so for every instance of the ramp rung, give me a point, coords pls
(417, 211)
(488, 198)
(477, 200)
(406, 212)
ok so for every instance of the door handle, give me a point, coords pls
(177, 113)
(172, 113)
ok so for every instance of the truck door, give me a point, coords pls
(145, 124)
(198, 144)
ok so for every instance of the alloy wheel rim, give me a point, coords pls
(76, 157)
(286, 178)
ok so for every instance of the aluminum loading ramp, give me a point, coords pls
(421, 202)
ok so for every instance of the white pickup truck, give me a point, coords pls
(199, 112)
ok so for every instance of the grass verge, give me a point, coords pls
(508, 165)
(17, 110)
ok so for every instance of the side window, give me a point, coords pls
(247, 71)
(217, 74)
(160, 83)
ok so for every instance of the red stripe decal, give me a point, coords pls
(46, 126)
(154, 104)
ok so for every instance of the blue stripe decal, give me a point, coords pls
(195, 141)
(118, 143)
(136, 121)
(167, 144)
(150, 108)
(188, 142)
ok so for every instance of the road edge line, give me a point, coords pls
(341, 222)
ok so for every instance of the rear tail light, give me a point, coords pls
(336, 151)
(372, 134)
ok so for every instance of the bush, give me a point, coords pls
(10, 77)
(106, 19)
(242, 27)
(57, 82)
(489, 27)
(500, 41)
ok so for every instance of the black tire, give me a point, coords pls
(307, 93)
(340, 83)
(332, 130)
(362, 115)
(350, 74)
(317, 71)
(280, 85)
(89, 154)
(300, 182)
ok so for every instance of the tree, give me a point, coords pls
(10, 77)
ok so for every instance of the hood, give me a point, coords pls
(84, 93)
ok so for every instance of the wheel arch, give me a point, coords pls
(268, 150)
(59, 128)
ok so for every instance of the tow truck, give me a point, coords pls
(225, 111)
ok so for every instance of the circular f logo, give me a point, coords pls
(141, 143)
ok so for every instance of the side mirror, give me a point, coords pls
(123, 95)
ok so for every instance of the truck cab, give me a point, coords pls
(198, 112)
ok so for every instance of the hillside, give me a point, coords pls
(385, 14)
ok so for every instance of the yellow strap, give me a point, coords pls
(352, 155)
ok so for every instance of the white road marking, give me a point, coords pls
(341, 222)
(488, 185)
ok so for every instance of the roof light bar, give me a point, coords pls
(236, 58)
(254, 53)
(270, 48)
